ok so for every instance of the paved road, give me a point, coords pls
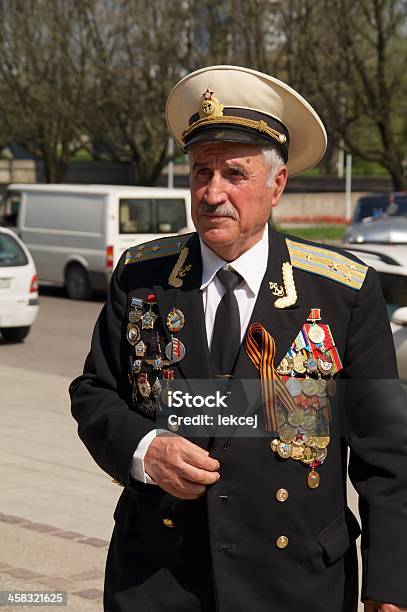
(59, 339)
(56, 505)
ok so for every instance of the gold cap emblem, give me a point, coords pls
(210, 106)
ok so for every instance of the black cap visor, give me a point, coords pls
(232, 133)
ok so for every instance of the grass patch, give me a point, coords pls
(319, 233)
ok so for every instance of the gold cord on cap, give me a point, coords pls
(260, 126)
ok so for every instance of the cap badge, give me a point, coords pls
(210, 106)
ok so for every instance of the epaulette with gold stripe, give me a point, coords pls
(162, 247)
(326, 263)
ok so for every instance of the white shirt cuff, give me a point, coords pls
(137, 466)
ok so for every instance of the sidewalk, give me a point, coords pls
(38, 557)
(56, 505)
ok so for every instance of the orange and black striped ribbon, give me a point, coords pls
(261, 348)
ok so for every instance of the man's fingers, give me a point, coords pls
(183, 488)
(193, 474)
(201, 461)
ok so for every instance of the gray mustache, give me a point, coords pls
(222, 210)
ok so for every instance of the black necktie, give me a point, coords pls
(226, 330)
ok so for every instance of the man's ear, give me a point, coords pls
(279, 184)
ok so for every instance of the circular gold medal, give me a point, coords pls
(311, 441)
(297, 452)
(321, 454)
(284, 450)
(321, 387)
(316, 334)
(309, 386)
(133, 334)
(309, 421)
(321, 441)
(175, 320)
(294, 386)
(300, 364)
(274, 445)
(286, 366)
(287, 433)
(296, 418)
(308, 455)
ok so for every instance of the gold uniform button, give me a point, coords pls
(282, 495)
(282, 542)
(168, 522)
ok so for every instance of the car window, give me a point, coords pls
(11, 254)
(394, 289)
(398, 208)
(370, 207)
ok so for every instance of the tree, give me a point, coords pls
(136, 62)
(44, 78)
(350, 57)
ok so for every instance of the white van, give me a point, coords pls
(76, 233)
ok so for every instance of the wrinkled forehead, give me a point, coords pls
(224, 151)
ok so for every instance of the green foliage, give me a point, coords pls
(319, 233)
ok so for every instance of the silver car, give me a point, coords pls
(379, 219)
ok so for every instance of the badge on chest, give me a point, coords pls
(151, 354)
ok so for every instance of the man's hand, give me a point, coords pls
(180, 467)
(377, 606)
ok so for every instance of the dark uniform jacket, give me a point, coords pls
(220, 552)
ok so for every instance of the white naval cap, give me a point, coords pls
(236, 104)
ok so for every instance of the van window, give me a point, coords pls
(11, 254)
(152, 216)
(9, 208)
(72, 212)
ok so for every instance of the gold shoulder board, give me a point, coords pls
(326, 263)
(155, 249)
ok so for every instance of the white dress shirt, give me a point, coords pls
(252, 268)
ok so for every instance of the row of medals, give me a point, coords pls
(304, 432)
(155, 394)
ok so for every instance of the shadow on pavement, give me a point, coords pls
(60, 292)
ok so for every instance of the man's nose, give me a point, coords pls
(215, 193)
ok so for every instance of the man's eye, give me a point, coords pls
(236, 172)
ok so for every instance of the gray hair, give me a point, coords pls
(274, 163)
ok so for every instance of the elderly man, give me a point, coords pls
(217, 520)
